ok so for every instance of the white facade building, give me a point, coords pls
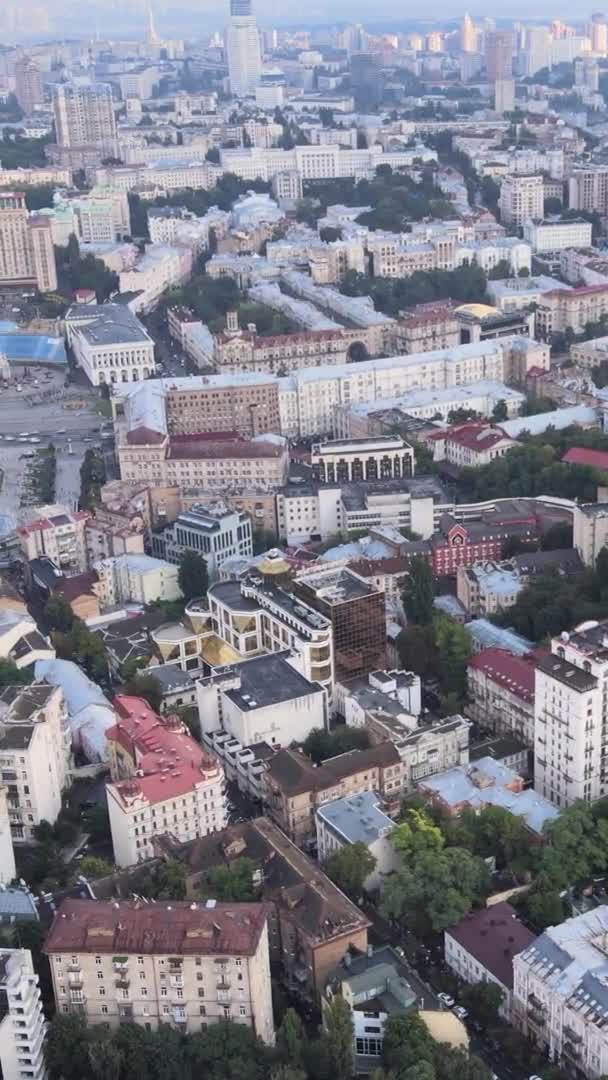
(23, 1027)
(109, 343)
(243, 49)
(358, 819)
(544, 236)
(137, 578)
(160, 268)
(521, 199)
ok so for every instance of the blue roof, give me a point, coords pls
(35, 348)
(17, 903)
(486, 636)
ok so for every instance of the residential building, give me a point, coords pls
(222, 462)
(358, 819)
(562, 308)
(179, 963)
(482, 946)
(487, 782)
(137, 578)
(312, 924)
(84, 116)
(356, 612)
(427, 327)
(486, 635)
(213, 529)
(588, 188)
(8, 869)
(375, 985)
(554, 235)
(162, 781)
(20, 638)
(237, 350)
(570, 744)
(109, 342)
(264, 699)
(23, 1027)
(501, 692)
(590, 530)
(28, 85)
(469, 445)
(243, 49)
(58, 534)
(35, 750)
(26, 245)
(257, 614)
(521, 199)
(559, 994)
(345, 460)
(487, 588)
(293, 787)
(157, 270)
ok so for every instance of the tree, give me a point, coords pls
(350, 867)
(559, 536)
(92, 867)
(147, 687)
(416, 833)
(213, 155)
(92, 478)
(66, 1039)
(407, 1042)
(483, 1000)
(435, 889)
(454, 649)
(58, 614)
(96, 821)
(11, 675)
(171, 881)
(501, 270)
(417, 652)
(418, 592)
(290, 1039)
(338, 1037)
(192, 575)
(500, 412)
(321, 744)
(232, 882)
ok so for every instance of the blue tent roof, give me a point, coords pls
(32, 348)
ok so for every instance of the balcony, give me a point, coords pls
(121, 963)
(123, 983)
(222, 983)
(76, 982)
(176, 982)
(74, 965)
(571, 1036)
(571, 1051)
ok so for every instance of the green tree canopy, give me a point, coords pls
(418, 592)
(192, 575)
(350, 867)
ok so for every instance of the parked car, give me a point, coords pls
(448, 1002)
(460, 1012)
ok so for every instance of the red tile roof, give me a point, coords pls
(176, 927)
(474, 435)
(493, 936)
(172, 762)
(512, 673)
(144, 436)
(580, 455)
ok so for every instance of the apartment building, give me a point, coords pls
(487, 588)
(137, 578)
(244, 350)
(29, 90)
(109, 342)
(427, 327)
(521, 199)
(571, 747)
(312, 924)
(563, 309)
(323, 162)
(102, 216)
(257, 615)
(222, 463)
(27, 256)
(23, 1026)
(160, 175)
(482, 948)
(345, 460)
(358, 819)
(176, 225)
(162, 781)
(159, 268)
(588, 188)
(501, 692)
(469, 445)
(293, 787)
(213, 529)
(248, 405)
(35, 751)
(559, 992)
(551, 235)
(590, 530)
(180, 963)
(58, 534)
(84, 116)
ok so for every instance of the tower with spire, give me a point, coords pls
(468, 34)
(152, 37)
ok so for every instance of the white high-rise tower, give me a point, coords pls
(243, 48)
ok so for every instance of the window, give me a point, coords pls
(242, 1010)
(104, 1009)
(100, 974)
(202, 1010)
(98, 959)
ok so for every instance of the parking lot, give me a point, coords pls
(45, 410)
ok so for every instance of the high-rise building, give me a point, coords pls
(588, 188)
(243, 48)
(468, 34)
(587, 74)
(521, 199)
(538, 49)
(499, 55)
(84, 116)
(599, 34)
(22, 1023)
(28, 85)
(504, 95)
(152, 38)
(26, 244)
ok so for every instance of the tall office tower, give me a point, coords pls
(468, 34)
(28, 85)
(538, 49)
(599, 34)
(84, 116)
(499, 67)
(243, 48)
(588, 188)
(22, 1024)
(26, 245)
(587, 74)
